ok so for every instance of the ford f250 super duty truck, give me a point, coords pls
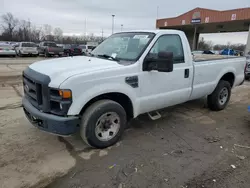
(128, 74)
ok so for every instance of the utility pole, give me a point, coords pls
(85, 27)
(29, 30)
(121, 27)
(102, 34)
(194, 39)
(113, 22)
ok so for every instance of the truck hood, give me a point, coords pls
(63, 68)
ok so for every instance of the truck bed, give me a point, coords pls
(209, 57)
(209, 69)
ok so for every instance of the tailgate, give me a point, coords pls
(29, 48)
(55, 49)
(6, 48)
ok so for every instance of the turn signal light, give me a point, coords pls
(65, 94)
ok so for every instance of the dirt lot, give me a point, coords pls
(11, 68)
(189, 147)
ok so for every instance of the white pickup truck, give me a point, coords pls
(129, 74)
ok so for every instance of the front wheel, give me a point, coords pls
(220, 97)
(103, 123)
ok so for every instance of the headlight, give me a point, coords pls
(65, 94)
(60, 101)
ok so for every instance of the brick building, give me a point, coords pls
(201, 20)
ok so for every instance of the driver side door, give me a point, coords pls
(163, 89)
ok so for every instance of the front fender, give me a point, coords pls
(83, 98)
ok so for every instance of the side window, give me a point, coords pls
(169, 43)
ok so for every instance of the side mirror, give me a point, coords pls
(162, 63)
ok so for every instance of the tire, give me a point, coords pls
(46, 54)
(20, 54)
(216, 101)
(93, 114)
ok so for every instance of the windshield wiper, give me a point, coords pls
(107, 57)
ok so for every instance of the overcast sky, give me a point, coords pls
(70, 15)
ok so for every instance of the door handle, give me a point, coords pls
(186, 73)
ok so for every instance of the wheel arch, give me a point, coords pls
(118, 97)
(113, 91)
(229, 77)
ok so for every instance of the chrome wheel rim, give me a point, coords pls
(107, 126)
(223, 96)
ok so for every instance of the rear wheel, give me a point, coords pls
(103, 123)
(46, 53)
(220, 97)
(20, 54)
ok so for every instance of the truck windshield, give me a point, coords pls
(124, 46)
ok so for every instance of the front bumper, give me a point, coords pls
(11, 52)
(247, 75)
(56, 53)
(50, 123)
(29, 52)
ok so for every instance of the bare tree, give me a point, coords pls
(35, 34)
(9, 24)
(58, 33)
(205, 45)
(47, 29)
(23, 30)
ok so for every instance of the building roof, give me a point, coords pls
(206, 16)
(155, 31)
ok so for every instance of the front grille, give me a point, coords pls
(33, 91)
(36, 89)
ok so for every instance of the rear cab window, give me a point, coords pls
(90, 47)
(29, 45)
(50, 44)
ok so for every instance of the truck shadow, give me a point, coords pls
(194, 108)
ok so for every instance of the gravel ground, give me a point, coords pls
(189, 146)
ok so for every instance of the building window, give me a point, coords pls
(233, 17)
(207, 20)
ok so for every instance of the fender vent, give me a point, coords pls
(132, 81)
